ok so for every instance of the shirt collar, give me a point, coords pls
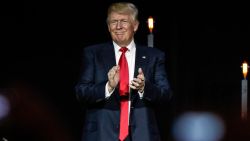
(130, 47)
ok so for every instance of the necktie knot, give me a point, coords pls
(123, 49)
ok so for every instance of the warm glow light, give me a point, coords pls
(244, 69)
(150, 24)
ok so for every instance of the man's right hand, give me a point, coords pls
(113, 77)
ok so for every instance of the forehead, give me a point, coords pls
(118, 16)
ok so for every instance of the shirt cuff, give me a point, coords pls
(107, 93)
(141, 94)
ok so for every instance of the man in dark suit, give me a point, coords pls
(100, 87)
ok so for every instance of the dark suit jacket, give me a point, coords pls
(102, 115)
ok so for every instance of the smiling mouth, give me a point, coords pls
(119, 33)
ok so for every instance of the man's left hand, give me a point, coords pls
(138, 83)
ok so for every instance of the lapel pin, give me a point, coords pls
(144, 57)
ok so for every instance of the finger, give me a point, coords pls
(140, 72)
(135, 86)
(134, 83)
(114, 69)
(112, 72)
(137, 83)
(137, 80)
(132, 87)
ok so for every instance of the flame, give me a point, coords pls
(244, 69)
(150, 24)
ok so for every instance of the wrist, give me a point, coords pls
(110, 89)
(141, 90)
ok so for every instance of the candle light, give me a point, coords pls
(245, 69)
(244, 91)
(150, 24)
(150, 35)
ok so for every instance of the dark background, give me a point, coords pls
(41, 42)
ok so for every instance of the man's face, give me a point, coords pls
(122, 28)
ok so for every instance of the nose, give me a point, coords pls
(118, 25)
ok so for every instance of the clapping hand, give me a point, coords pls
(113, 77)
(138, 83)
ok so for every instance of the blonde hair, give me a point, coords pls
(123, 8)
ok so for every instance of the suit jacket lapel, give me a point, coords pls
(108, 56)
(141, 60)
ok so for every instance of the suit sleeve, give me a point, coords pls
(89, 91)
(157, 89)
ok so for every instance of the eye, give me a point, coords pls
(113, 22)
(124, 21)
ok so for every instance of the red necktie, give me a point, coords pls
(124, 91)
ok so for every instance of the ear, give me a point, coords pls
(136, 25)
(108, 28)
